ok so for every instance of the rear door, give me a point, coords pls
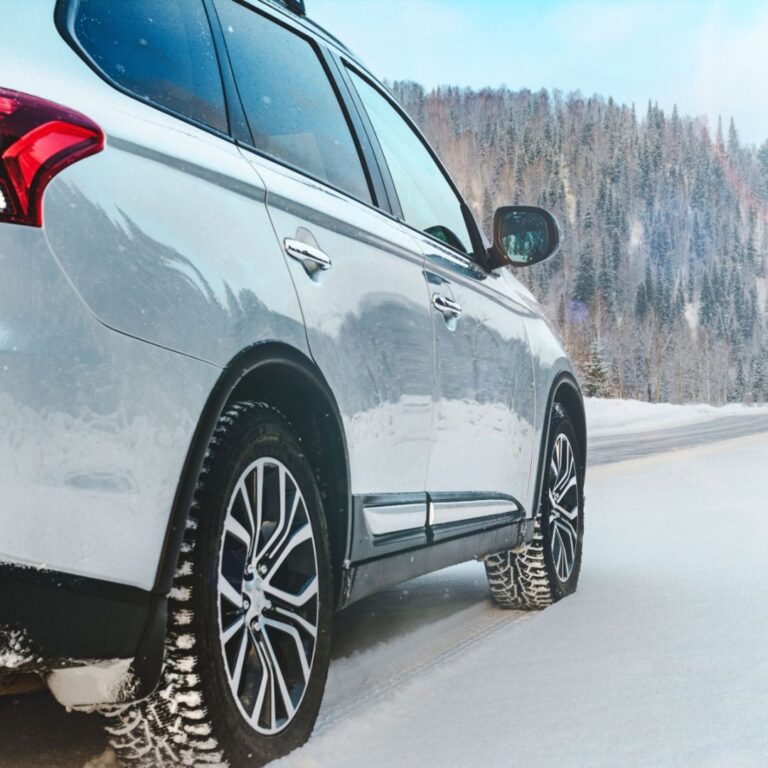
(357, 273)
(483, 430)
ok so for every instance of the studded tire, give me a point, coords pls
(537, 577)
(193, 717)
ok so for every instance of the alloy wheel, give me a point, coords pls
(563, 507)
(268, 596)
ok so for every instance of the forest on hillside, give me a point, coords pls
(659, 290)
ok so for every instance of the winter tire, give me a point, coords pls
(548, 569)
(247, 651)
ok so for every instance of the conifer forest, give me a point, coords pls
(659, 290)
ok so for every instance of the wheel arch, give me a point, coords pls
(566, 393)
(289, 381)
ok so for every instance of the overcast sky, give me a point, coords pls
(709, 58)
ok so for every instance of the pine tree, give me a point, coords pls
(641, 302)
(738, 388)
(706, 311)
(584, 289)
(596, 378)
(759, 382)
(607, 285)
(733, 141)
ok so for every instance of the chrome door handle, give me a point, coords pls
(448, 307)
(312, 258)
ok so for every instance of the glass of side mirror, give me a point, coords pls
(524, 235)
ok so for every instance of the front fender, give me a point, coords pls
(555, 380)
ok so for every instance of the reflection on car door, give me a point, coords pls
(484, 399)
(358, 274)
(484, 402)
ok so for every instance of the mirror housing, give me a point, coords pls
(523, 235)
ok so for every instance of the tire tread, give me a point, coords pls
(172, 726)
(522, 580)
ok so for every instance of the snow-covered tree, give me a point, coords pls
(596, 377)
(759, 383)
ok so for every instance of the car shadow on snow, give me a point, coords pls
(407, 607)
(36, 731)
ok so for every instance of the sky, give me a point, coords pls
(708, 57)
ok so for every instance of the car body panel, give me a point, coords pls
(152, 266)
(179, 248)
(368, 326)
(96, 427)
(483, 439)
(185, 240)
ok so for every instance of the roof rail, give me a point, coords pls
(297, 6)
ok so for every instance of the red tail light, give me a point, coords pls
(38, 139)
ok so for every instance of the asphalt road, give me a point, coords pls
(36, 733)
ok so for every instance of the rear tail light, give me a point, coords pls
(38, 139)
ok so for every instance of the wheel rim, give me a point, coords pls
(563, 508)
(267, 596)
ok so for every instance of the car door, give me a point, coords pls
(483, 431)
(358, 275)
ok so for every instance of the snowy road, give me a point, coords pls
(660, 659)
(610, 448)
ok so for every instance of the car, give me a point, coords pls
(257, 362)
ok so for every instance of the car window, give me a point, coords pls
(290, 104)
(427, 199)
(162, 52)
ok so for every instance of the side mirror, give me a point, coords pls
(523, 235)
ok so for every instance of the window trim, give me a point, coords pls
(384, 202)
(323, 56)
(477, 256)
(335, 61)
(64, 17)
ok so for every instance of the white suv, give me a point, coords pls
(256, 362)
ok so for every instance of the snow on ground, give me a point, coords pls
(609, 417)
(660, 659)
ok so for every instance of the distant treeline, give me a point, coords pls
(659, 289)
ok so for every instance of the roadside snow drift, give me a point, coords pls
(612, 417)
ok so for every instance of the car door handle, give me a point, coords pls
(448, 307)
(312, 258)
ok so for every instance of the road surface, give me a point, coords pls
(608, 449)
(660, 659)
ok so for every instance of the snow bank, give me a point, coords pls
(610, 417)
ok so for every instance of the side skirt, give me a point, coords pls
(366, 578)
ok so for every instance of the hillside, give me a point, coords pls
(659, 290)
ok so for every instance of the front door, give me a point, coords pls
(484, 398)
(482, 436)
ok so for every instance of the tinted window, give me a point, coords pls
(289, 102)
(161, 51)
(428, 202)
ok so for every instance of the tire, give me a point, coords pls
(548, 569)
(275, 642)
